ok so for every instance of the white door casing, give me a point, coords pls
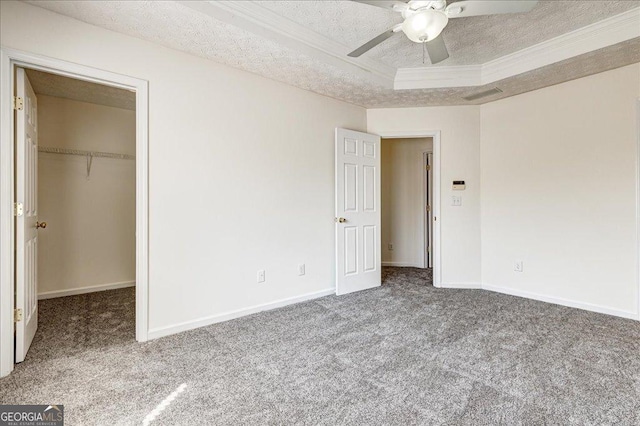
(358, 240)
(26, 220)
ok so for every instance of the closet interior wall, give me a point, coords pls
(88, 201)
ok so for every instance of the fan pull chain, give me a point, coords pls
(424, 46)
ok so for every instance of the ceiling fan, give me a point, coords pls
(424, 20)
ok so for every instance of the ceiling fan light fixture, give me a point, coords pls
(424, 25)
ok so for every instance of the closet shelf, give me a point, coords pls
(96, 154)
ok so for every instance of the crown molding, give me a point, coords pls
(438, 77)
(610, 31)
(253, 17)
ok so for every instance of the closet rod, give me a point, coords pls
(51, 150)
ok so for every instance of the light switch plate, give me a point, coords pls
(518, 266)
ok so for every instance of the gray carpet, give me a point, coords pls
(405, 353)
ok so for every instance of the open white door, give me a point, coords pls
(27, 215)
(358, 262)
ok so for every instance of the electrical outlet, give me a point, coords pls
(390, 247)
(518, 266)
(261, 278)
(301, 269)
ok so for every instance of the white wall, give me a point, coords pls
(241, 170)
(89, 241)
(460, 160)
(66, 123)
(559, 192)
(403, 201)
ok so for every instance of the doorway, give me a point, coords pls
(434, 185)
(406, 192)
(10, 271)
(75, 225)
(358, 211)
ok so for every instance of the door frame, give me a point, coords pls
(435, 135)
(9, 60)
(638, 204)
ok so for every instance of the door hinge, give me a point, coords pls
(428, 249)
(428, 208)
(18, 209)
(18, 103)
(428, 167)
(17, 315)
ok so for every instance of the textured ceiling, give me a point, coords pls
(470, 41)
(176, 26)
(44, 83)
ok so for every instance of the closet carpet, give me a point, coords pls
(405, 353)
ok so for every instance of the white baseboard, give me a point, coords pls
(83, 290)
(560, 301)
(154, 333)
(402, 264)
(477, 286)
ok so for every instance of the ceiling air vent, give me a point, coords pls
(484, 94)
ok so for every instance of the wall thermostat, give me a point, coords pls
(458, 185)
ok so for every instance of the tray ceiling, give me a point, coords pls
(470, 41)
(304, 43)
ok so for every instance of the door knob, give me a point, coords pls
(341, 220)
(41, 225)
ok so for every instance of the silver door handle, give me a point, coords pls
(341, 219)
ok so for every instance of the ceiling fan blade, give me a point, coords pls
(437, 50)
(466, 8)
(371, 43)
(384, 4)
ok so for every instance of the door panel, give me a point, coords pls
(26, 231)
(358, 203)
(369, 204)
(350, 188)
(350, 250)
(370, 248)
(369, 149)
